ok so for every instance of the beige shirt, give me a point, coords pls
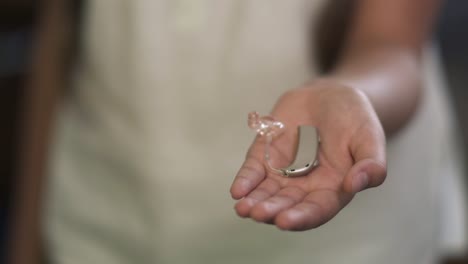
(155, 130)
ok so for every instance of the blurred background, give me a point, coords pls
(17, 27)
(17, 20)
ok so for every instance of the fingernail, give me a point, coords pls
(360, 182)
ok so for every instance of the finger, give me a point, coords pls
(265, 190)
(249, 176)
(253, 171)
(365, 174)
(267, 210)
(370, 168)
(316, 209)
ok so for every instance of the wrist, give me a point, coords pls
(332, 89)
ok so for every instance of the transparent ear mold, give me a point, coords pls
(307, 144)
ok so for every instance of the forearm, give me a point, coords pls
(42, 95)
(390, 77)
(382, 52)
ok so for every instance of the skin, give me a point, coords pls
(373, 91)
(42, 94)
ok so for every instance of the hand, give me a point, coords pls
(351, 159)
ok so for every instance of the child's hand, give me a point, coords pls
(351, 159)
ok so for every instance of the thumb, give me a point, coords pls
(369, 169)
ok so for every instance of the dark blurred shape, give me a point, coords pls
(331, 32)
(54, 43)
(16, 21)
(456, 261)
(452, 36)
(16, 14)
(9, 101)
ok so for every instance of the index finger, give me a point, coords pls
(251, 173)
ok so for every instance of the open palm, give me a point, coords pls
(351, 158)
